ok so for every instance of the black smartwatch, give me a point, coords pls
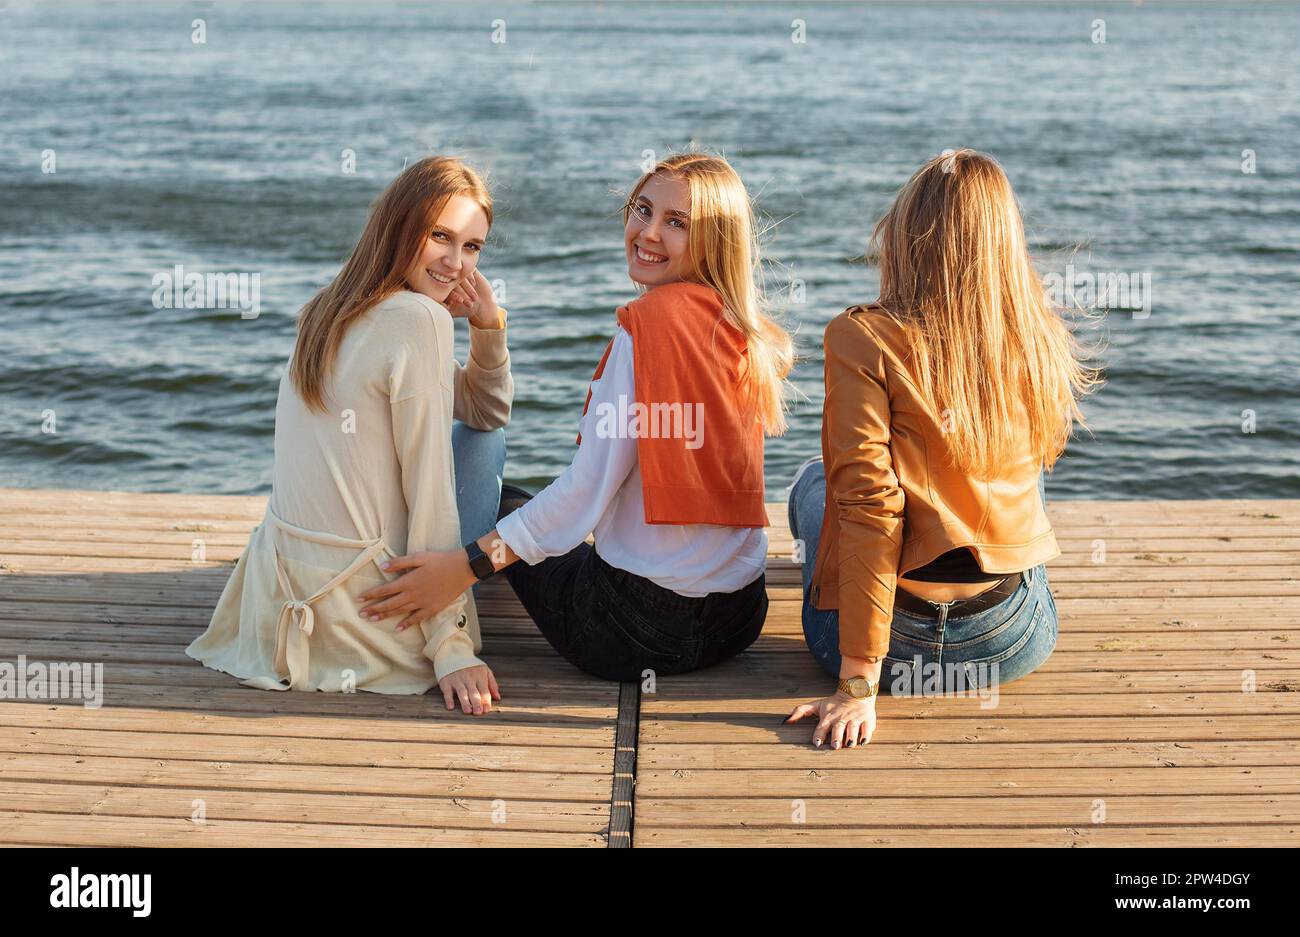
(479, 561)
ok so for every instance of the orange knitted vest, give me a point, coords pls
(701, 457)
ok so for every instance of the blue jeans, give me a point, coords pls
(998, 645)
(480, 460)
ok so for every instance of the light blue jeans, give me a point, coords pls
(998, 645)
(480, 460)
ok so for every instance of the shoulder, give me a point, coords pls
(867, 324)
(853, 327)
(407, 320)
(673, 304)
(408, 308)
(862, 340)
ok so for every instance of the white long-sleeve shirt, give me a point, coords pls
(600, 492)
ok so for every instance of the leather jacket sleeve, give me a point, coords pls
(861, 485)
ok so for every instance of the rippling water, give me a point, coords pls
(227, 156)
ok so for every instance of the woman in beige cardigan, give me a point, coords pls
(384, 445)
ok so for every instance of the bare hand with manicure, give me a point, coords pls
(471, 298)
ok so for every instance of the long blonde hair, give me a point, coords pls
(724, 255)
(394, 235)
(985, 339)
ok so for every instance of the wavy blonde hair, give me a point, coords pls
(723, 251)
(401, 219)
(988, 345)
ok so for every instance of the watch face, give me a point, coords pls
(859, 687)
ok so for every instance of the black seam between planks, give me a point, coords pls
(623, 790)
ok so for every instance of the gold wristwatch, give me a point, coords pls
(859, 687)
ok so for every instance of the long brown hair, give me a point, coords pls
(991, 350)
(724, 253)
(394, 235)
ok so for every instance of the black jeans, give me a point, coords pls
(615, 625)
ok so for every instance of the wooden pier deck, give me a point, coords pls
(1168, 714)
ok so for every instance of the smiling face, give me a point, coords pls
(655, 236)
(451, 250)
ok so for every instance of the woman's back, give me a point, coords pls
(339, 469)
(367, 478)
(899, 502)
(1000, 517)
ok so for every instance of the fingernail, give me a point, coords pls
(818, 743)
(385, 565)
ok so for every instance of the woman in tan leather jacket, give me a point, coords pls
(922, 524)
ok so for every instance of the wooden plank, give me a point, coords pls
(463, 813)
(535, 678)
(977, 726)
(362, 779)
(1010, 705)
(322, 751)
(22, 537)
(53, 829)
(538, 711)
(211, 721)
(1010, 781)
(899, 753)
(895, 813)
(1258, 835)
(1058, 681)
(172, 551)
(117, 503)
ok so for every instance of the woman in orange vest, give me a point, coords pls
(923, 525)
(668, 474)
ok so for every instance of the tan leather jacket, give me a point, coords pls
(893, 500)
